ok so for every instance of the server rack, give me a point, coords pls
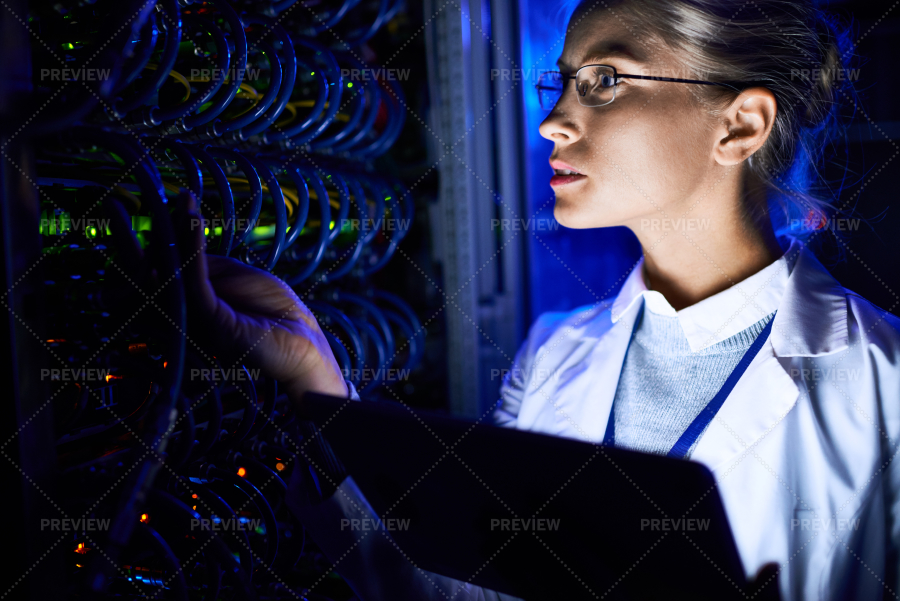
(308, 158)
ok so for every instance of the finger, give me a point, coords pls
(131, 255)
(256, 291)
(217, 265)
(191, 243)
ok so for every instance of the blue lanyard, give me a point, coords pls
(693, 432)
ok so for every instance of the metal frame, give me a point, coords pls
(479, 152)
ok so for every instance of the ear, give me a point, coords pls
(746, 126)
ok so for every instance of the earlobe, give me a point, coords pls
(746, 126)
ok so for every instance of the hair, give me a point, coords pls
(791, 48)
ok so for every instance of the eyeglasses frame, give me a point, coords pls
(617, 76)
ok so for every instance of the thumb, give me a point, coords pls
(189, 228)
(131, 255)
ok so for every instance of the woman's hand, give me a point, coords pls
(251, 316)
(244, 315)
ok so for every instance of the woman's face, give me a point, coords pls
(648, 154)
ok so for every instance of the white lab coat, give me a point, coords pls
(802, 450)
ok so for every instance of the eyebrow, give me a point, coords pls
(603, 51)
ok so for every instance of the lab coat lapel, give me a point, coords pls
(585, 391)
(585, 402)
(748, 414)
(811, 321)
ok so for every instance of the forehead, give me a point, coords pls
(598, 34)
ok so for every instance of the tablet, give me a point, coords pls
(533, 515)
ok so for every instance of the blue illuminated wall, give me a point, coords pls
(567, 268)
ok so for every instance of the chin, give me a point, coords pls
(567, 215)
(574, 217)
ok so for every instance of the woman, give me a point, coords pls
(801, 446)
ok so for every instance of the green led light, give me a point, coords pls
(262, 232)
(69, 46)
(313, 73)
(349, 84)
(331, 227)
(92, 232)
(58, 223)
(140, 222)
(206, 231)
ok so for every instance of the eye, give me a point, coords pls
(607, 81)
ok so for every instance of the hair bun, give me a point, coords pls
(828, 78)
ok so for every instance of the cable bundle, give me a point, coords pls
(214, 73)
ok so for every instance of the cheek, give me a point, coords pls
(652, 159)
(659, 157)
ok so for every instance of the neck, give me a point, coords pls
(688, 269)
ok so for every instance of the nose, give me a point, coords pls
(560, 126)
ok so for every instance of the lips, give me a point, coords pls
(565, 174)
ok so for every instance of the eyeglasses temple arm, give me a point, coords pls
(672, 79)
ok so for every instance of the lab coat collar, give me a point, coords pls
(812, 320)
(812, 306)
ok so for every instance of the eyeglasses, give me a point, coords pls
(596, 85)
